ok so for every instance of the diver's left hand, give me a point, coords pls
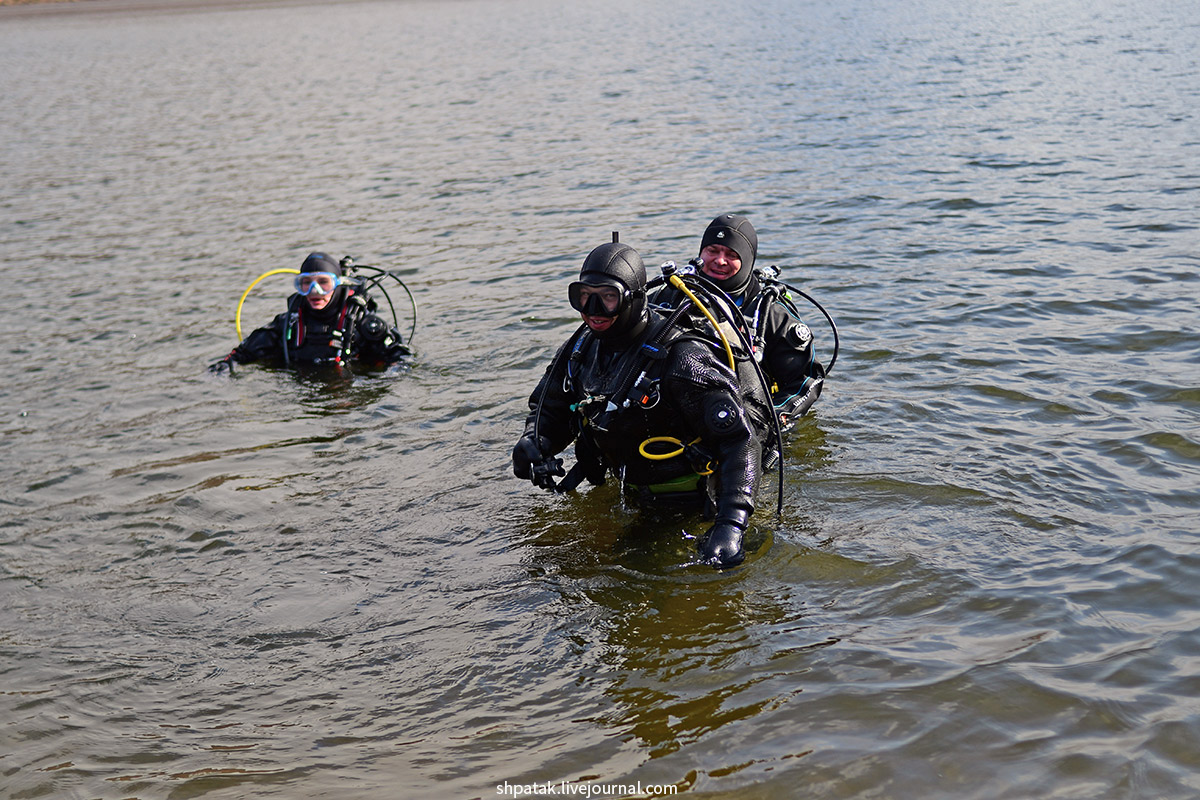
(722, 545)
(529, 452)
(225, 363)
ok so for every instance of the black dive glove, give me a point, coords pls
(722, 545)
(532, 462)
(225, 363)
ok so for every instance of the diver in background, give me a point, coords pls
(330, 320)
(626, 377)
(783, 343)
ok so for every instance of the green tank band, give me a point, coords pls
(684, 483)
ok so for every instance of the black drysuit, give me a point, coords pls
(613, 397)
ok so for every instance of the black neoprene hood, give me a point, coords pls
(614, 261)
(738, 234)
(320, 262)
(617, 264)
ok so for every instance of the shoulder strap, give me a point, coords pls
(660, 335)
(578, 346)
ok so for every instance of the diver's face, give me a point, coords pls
(599, 306)
(720, 262)
(317, 287)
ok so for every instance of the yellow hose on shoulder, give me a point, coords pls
(678, 283)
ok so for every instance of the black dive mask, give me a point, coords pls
(598, 300)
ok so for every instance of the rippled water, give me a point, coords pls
(981, 585)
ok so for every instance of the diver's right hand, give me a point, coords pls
(722, 545)
(528, 451)
(532, 461)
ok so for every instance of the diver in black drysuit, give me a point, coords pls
(627, 376)
(782, 342)
(344, 329)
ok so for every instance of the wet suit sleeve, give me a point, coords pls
(263, 343)
(554, 423)
(791, 361)
(548, 428)
(709, 403)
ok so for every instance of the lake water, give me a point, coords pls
(983, 581)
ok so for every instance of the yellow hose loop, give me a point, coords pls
(708, 468)
(661, 456)
(641, 449)
(237, 320)
(678, 283)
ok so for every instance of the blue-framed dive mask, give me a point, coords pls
(317, 283)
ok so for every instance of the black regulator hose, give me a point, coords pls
(770, 274)
(375, 281)
(293, 306)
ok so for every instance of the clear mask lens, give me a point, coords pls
(317, 283)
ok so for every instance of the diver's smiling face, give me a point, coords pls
(599, 306)
(720, 262)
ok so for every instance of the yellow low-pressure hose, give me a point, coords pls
(661, 456)
(664, 456)
(678, 283)
(237, 320)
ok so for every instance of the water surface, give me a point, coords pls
(284, 585)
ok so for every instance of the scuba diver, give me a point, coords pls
(782, 343)
(648, 397)
(331, 319)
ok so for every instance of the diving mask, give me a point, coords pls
(596, 301)
(317, 283)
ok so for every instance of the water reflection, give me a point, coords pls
(660, 625)
(675, 650)
(329, 389)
